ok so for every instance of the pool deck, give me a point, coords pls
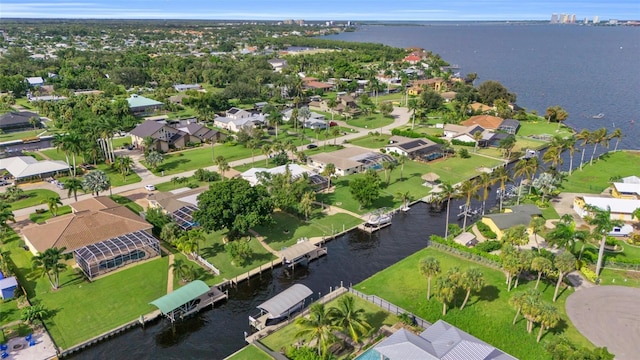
(18, 348)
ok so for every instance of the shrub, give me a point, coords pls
(415, 135)
(450, 245)
(489, 246)
(486, 231)
(464, 153)
(206, 175)
(589, 274)
(463, 143)
(454, 230)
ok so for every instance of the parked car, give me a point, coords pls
(333, 123)
(312, 146)
(150, 187)
(3, 182)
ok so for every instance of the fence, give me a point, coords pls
(621, 266)
(466, 254)
(207, 264)
(390, 307)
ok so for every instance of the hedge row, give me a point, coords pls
(470, 253)
(415, 135)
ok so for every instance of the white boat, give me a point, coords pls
(599, 116)
(379, 220)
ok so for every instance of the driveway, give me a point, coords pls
(608, 316)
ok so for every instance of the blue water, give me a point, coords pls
(370, 354)
(585, 69)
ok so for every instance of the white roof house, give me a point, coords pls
(621, 209)
(627, 188)
(21, 167)
(35, 81)
(631, 180)
(296, 171)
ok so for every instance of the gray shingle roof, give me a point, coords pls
(147, 128)
(16, 118)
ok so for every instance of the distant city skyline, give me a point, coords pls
(356, 10)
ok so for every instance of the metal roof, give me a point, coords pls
(183, 295)
(297, 250)
(283, 302)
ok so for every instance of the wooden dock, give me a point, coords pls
(372, 229)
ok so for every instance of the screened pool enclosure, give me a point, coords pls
(109, 255)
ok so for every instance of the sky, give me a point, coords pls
(355, 10)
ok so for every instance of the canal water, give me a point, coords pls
(218, 332)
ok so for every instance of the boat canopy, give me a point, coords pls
(181, 297)
(282, 303)
(300, 249)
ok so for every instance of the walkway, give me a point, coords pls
(264, 244)
(477, 233)
(170, 275)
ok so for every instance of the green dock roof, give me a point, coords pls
(183, 295)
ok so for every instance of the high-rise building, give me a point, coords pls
(554, 18)
(573, 18)
(585, 21)
(596, 19)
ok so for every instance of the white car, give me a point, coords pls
(150, 187)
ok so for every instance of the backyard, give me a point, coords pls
(594, 179)
(488, 315)
(201, 157)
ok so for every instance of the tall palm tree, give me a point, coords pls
(266, 151)
(553, 156)
(60, 142)
(471, 280)
(524, 169)
(405, 197)
(53, 202)
(469, 188)
(477, 136)
(616, 134)
(429, 267)
(189, 242)
(252, 145)
(448, 192)
(401, 161)
(598, 137)
(182, 270)
(274, 119)
(413, 106)
(445, 290)
(350, 319)
(329, 171)
(548, 317)
(484, 182)
(603, 223)
(317, 327)
(585, 137)
(541, 265)
(536, 225)
(564, 262)
(523, 299)
(388, 167)
(223, 165)
(73, 185)
(570, 145)
(74, 145)
(6, 215)
(501, 175)
(332, 103)
(50, 263)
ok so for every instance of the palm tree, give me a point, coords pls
(335, 131)
(429, 267)
(50, 264)
(266, 151)
(95, 182)
(306, 203)
(525, 169)
(501, 175)
(548, 317)
(6, 215)
(471, 280)
(536, 225)
(329, 171)
(349, 319)
(34, 121)
(52, 203)
(388, 167)
(542, 265)
(469, 188)
(223, 165)
(564, 262)
(413, 106)
(124, 165)
(154, 159)
(317, 327)
(617, 134)
(598, 137)
(59, 142)
(405, 197)
(448, 192)
(401, 161)
(444, 291)
(585, 137)
(73, 185)
(147, 143)
(332, 103)
(477, 136)
(189, 242)
(274, 119)
(603, 223)
(524, 299)
(570, 144)
(182, 270)
(74, 145)
(484, 182)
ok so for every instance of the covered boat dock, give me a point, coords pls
(280, 306)
(188, 299)
(300, 253)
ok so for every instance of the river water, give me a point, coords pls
(217, 333)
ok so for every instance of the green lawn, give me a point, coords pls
(9, 311)
(34, 155)
(170, 185)
(372, 142)
(201, 158)
(375, 316)
(594, 179)
(412, 183)
(11, 136)
(33, 198)
(541, 127)
(488, 315)
(287, 229)
(55, 154)
(40, 218)
(371, 122)
(620, 277)
(82, 309)
(213, 250)
(250, 352)
(457, 169)
(125, 201)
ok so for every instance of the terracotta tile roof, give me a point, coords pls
(84, 228)
(486, 121)
(94, 204)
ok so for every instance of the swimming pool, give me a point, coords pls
(370, 354)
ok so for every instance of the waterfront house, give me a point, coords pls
(621, 209)
(486, 121)
(17, 121)
(140, 105)
(102, 236)
(509, 126)
(628, 188)
(255, 175)
(349, 160)
(179, 204)
(439, 341)
(420, 149)
(516, 215)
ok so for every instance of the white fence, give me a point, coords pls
(206, 264)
